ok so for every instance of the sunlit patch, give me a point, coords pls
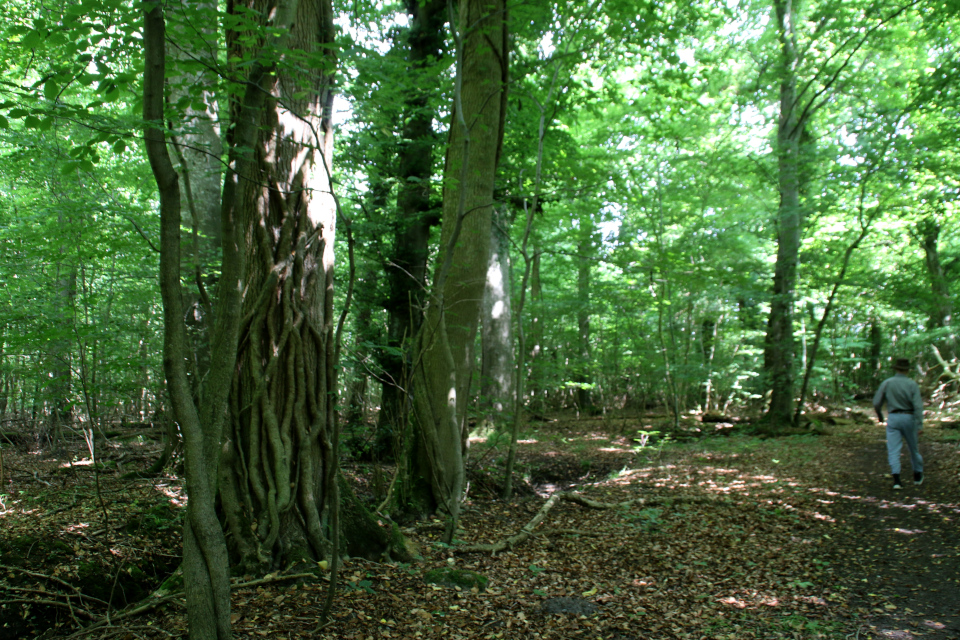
(812, 600)
(7, 504)
(547, 489)
(73, 528)
(896, 634)
(933, 624)
(751, 599)
(175, 493)
(909, 532)
(85, 462)
(526, 442)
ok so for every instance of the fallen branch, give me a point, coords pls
(43, 576)
(546, 533)
(144, 607)
(528, 529)
(51, 603)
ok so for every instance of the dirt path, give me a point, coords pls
(902, 547)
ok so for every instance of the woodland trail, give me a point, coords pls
(903, 547)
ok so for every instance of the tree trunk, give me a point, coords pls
(407, 267)
(59, 387)
(444, 362)
(195, 142)
(582, 377)
(497, 362)
(941, 308)
(278, 457)
(780, 351)
(205, 558)
(535, 352)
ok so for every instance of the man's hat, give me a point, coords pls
(902, 364)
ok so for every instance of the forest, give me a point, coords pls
(478, 319)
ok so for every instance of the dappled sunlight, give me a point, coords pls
(613, 449)
(178, 497)
(751, 599)
(7, 504)
(83, 462)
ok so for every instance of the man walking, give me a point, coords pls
(904, 419)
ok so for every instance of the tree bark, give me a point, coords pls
(497, 362)
(444, 362)
(277, 452)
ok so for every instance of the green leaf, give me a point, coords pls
(51, 90)
(31, 40)
(3, 123)
(31, 122)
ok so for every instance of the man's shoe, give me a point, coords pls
(918, 478)
(896, 482)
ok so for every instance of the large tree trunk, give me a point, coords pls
(278, 457)
(444, 362)
(407, 267)
(780, 351)
(497, 362)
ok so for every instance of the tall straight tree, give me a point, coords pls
(407, 267)
(444, 362)
(780, 346)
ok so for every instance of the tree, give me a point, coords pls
(807, 81)
(406, 267)
(444, 349)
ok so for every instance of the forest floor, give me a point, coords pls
(721, 537)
